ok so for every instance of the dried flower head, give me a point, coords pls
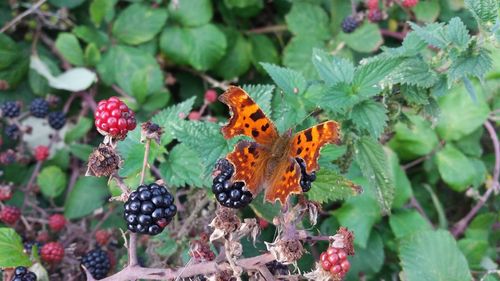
(104, 161)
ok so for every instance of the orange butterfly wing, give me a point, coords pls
(249, 159)
(306, 144)
(247, 118)
(285, 181)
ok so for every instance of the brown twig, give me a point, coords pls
(187, 224)
(22, 15)
(267, 29)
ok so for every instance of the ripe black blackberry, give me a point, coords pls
(39, 108)
(12, 131)
(97, 263)
(305, 179)
(149, 209)
(57, 119)
(277, 268)
(349, 24)
(21, 273)
(28, 246)
(227, 193)
(11, 109)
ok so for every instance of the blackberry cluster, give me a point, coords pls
(57, 120)
(39, 108)
(277, 268)
(28, 246)
(12, 131)
(227, 193)
(306, 179)
(21, 273)
(149, 209)
(349, 24)
(11, 109)
(97, 263)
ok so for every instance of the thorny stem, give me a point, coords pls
(462, 224)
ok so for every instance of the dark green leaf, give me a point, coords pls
(88, 194)
(191, 12)
(237, 59)
(297, 54)
(52, 181)
(81, 128)
(70, 4)
(332, 69)
(405, 223)
(307, 19)
(68, 46)
(139, 23)
(365, 39)
(330, 185)
(263, 50)
(9, 51)
(183, 167)
(290, 81)
(102, 9)
(370, 116)
(172, 116)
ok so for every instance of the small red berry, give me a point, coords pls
(52, 252)
(375, 15)
(342, 255)
(210, 96)
(41, 153)
(194, 115)
(263, 224)
(5, 193)
(114, 118)
(57, 222)
(336, 269)
(345, 265)
(410, 3)
(372, 4)
(102, 237)
(43, 237)
(332, 250)
(10, 214)
(335, 261)
(326, 265)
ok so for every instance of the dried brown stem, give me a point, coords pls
(22, 15)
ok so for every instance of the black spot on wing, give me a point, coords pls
(258, 114)
(308, 134)
(265, 127)
(255, 133)
(299, 150)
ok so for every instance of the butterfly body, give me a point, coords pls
(269, 162)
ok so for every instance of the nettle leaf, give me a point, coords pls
(364, 39)
(331, 185)
(88, 194)
(9, 51)
(368, 75)
(332, 69)
(262, 95)
(485, 11)
(433, 34)
(309, 20)
(12, 254)
(139, 23)
(288, 110)
(414, 71)
(402, 185)
(170, 117)
(70, 49)
(290, 81)
(370, 116)
(202, 47)
(183, 167)
(470, 64)
(407, 222)
(298, 52)
(455, 168)
(438, 253)
(457, 33)
(191, 12)
(237, 59)
(52, 181)
(373, 163)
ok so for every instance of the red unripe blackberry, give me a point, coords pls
(372, 4)
(5, 193)
(194, 115)
(263, 224)
(52, 252)
(41, 153)
(114, 118)
(210, 96)
(410, 3)
(102, 237)
(335, 261)
(10, 214)
(43, 237)
(57, 222)
(375, 15)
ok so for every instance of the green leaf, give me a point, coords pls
(237, 59)
(474, 251)
(290, 81)
(438, 253)
(332, 69)
(370, 74)
(455, 168)
(368, 260)
(82, 151)
(457, 33)
(427, 11)
(454, 126)
(92, 55)
(91, 35)
(262, 95)
(172, 116)
(167, 246)
(202, 47)
(182, 167)
(370, 116)
(407, 222)
(402, 186)
(297, 54)
(139, 23)
(102, 9)
(365, 39)
(307, 19)
(191, 12)
(264, 209)
(414, 71)
(263, 50)
(16, 71)
(330, 185)
(480, 227)
(70, 4)
(9, 51)
(485, 11)
(12, 253)
(88, 194)
(415, 139)
(70, 49)
(52, 181)
(470, 65)
(373, 163)
(81, 128)
(359, 214)
(433, 34)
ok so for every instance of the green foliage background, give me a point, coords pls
(425, 98)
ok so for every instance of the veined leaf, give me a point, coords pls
(330, 185)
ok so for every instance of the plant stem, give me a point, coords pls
(267, 29)
(22, 15)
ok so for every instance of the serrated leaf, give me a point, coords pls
(70, 49)
(169, 117)
(332, 69)
(455, 168)
(330, 185)
(373, 163)
(290, 81)
(485, 11)
(81, 128)
(139, 23)
(88, 194)
(364, 39)
(262, 95)
(308, 19)
(52, 181)
(370, 116)
(368, 75)
(9, 51)
(433, 34)
(12, 254)
(298, 52)
(438, 253)
(182, 167)
(474, 65)
(407, 222)
(457, 33)
(414, 71)
(191, 12)
(402, 185)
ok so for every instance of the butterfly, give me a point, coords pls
(269, 161)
